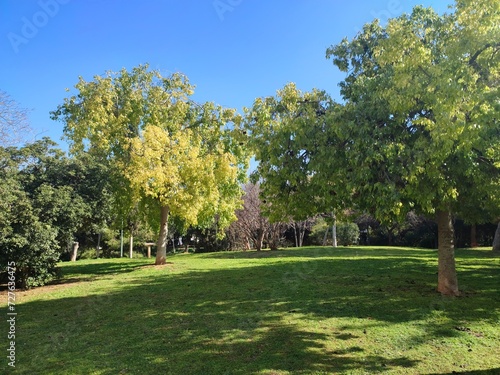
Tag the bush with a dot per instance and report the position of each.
(347, 234)
(28, 244)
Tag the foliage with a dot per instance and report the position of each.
(347, 233)
(420, 120)
(47, 200)
(168, 154)
(319, 230)
(286, 135)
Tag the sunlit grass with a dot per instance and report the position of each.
(352, 310)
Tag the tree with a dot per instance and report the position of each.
(288, 137)
(420, 120)
(72, 193)
(48, 202)
(252, 228)
(24, 239)
(14, 124)
(166, 152)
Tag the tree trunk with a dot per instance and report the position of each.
(334, 231)
(161, 252)
(473, 236)
(325, 237)
(98, 247)
(131, 245)
(295, 234)
(496, 241)
(302, 234)
(74, 251)
(259, 239)
(447, 274)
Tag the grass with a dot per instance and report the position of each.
(356, 310)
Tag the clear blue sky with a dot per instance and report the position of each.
(233, 50)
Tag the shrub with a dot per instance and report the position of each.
(347, 234)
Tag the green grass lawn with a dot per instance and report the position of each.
(355, 310)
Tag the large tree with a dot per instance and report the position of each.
(168, 153)
(47, 200)
(420, 120)
(288, 138)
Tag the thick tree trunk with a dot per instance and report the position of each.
(447, 274)
(74, 251)
(473, 236)
(259, 239)
(161, 248)
(496, 241)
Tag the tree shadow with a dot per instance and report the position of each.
(247, 320)
(323, 252)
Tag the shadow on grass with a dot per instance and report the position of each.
(245, 320)
(326, 251)
(493, 371)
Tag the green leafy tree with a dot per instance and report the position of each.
(47, 201)
(288, 138)
(167, 153)
(421, 118)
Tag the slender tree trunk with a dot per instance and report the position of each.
(325, 237)
(98, 247)
(447, 274)
(295, 234)
(473, 236)
(74, 251)
(161, 252)
(496, 241)
(334, 231)
(131, 245)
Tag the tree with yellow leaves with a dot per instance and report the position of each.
(170, 154)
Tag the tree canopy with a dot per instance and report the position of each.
(167, 152)
(421, 115)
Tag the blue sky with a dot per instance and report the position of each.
(232, 50)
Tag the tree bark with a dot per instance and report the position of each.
(74, 251)
(259, 239)
(334, 231)
(325, 237)
(447, 274)
(496, 241)
(473, 236)
(161, 248)
(131, 245)
(98, 247)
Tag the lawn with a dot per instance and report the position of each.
(355, 310)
